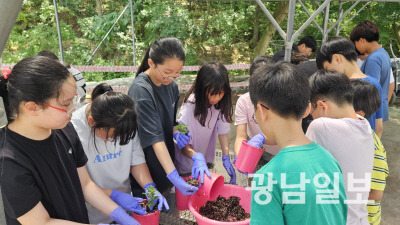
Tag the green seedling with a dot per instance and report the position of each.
(151, 196)
(183, 129)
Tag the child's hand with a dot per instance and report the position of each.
(179, 183)
(128, 202)
(199, 167)
(160, 198)
(229, 168)
(121, 217)
(181, 139)
(257, 141)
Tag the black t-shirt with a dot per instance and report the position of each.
(156, 108)
(45, 171)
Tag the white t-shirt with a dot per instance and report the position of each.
(108, 164)
(351, 142)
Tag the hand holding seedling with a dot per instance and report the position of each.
(128, 202)
(199, 167)
(182, 136)
(154, 196)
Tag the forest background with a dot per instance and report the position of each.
(232, 32)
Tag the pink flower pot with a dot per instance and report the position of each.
(148, 219)
(212, 187)
(199, 199)
(181, 201)
(248, 157)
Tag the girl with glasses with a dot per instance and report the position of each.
(156, 97)
(43, 177)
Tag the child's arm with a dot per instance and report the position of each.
(375, 195)
(379, 127)
(141, 174)
(241, 134)
(224, 141)
(38, 215)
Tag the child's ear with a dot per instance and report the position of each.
(308, 110)
(91, 121)
(337, 58)
(361, 113)
(150, 62)
(31, 108)
(323, 105)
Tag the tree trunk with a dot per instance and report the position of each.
(254, 40)
(280, 14)
(396, 31)
(98, 6)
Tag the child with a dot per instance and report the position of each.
(338, 54)
(207, 110)
(156, 97)
(245, 124)
(79, 79)
(107, 129)
(377, 64)
(280, 95)
(346, 135)
(42, 163)
(365, 101)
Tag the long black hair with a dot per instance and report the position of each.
(100, 89)
(115, 110)
(212, 78)
(35, 79)
(163, 48)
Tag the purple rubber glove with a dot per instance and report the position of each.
(229, 168)
(160, 199)
(128, 202)
(257, 141)
(179, 183)
(121, 217)
(199, 167)
(181, 139)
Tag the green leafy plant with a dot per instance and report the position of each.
(182, 129)
(151, 197)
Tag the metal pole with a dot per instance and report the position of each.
(272, 19)
(345, 14)
(288, 40)
(339, 16)
(309, 15)
(59, 32)
(309, 20)
(133, 35)
(98, 46)
(341, 28)
(326, 19)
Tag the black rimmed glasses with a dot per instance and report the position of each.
(254, 114)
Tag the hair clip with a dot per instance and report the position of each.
(5, 73)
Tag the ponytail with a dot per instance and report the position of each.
(100, 89)
(145, 62)
(4, 94)
(163, 48)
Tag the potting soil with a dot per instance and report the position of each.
(226, 210)
(193, 182)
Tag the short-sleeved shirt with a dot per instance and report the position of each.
(203, 138)
(80, 85)
(313, 161)
(156, 107)
(244, 112)
(378, 65)
(350, 141)
(108, 163)
(378, 114)
(42, 171)
(378, 180)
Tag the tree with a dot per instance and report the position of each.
(280, 13)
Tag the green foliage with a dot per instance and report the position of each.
(209, 30)
(151, 196)
(182, 129)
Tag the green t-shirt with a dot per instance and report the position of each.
(294, 187)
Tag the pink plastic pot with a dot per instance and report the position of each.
(248, 157)
(181, 201)
(148, 219)
(212, 187)
(199, 199)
